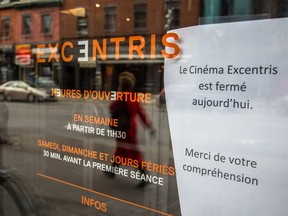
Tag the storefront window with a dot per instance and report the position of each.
(144, 107)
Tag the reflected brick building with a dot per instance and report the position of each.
(56, 21)
(24, 24)
(107, 20)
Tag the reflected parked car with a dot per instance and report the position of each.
(19, 90)
(46, 84)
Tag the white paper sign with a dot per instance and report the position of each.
(227, 100)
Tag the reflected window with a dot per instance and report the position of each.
(140, 16)
(172, 15)
(82, 25)
(110, 19)
(46, 21)
(5, 28)
(26, 25)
